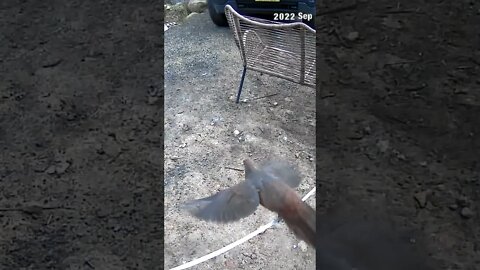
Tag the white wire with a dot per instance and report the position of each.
(309, 194)
(236, 243)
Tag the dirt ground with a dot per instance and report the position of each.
(204, 154)
(397, 114)
(81, 128)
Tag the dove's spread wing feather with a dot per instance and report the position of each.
(281, 170)
(227, 205)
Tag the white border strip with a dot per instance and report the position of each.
(236, 243)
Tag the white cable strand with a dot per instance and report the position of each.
(236, 243)
(309, 194)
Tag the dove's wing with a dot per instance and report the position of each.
(227, 205)
(281, 170)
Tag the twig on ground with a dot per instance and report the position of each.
(271, 95)
(338, 10)
(33, 209)
(340, 38)
(416, 87)
(327, 43)
(404, 11)
(400, 63)
(53, 64)
(87, 263)
(328, 95)
(235, 169)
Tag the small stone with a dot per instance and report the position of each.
(383, 145)
(460, 91)
(392, 23)
(184, 127)
(125, 202)
(152, 100)
(62, 167)
(471, 180)
(367, 130)
(401, 157)
(197, 6)
(453, 207)
(216, 120)
(187, 18)
(236, 132)
(99, 149)
(102, 212)
(467, 213)
(141, 190)
(463, 201)
(111, 148)
(354, 134)
(423, 164)
(352, 36)
(51, 169)
(230, 264)
(303, 246)
(275, 103)
(421, 198)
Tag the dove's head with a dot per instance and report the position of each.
(248, 163)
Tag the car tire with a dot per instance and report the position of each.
(217, 18)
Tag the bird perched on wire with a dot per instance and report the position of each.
(271, 185)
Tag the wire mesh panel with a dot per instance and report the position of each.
(285, 50)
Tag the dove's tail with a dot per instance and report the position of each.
(301, 220)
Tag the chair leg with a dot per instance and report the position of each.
(241, 84)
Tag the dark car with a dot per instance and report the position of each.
(276, 10)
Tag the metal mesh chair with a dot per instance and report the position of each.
(284, 50)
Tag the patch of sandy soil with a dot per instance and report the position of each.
(202, 74)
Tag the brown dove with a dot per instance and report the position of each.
(271, 185)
